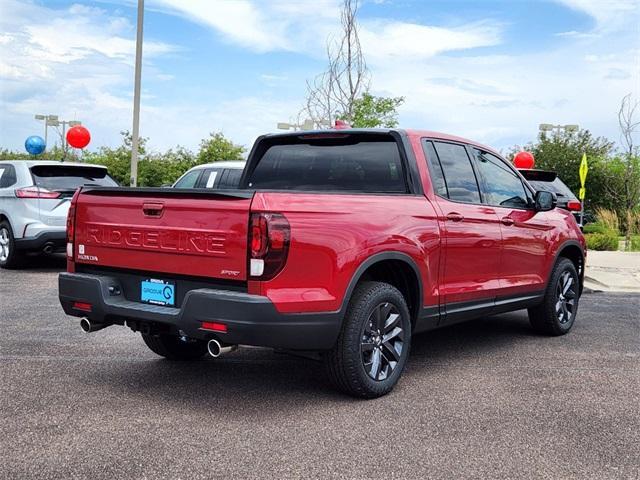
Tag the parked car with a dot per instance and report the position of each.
(217, 175)
(550, 182)
(34, 200)
(338, 245)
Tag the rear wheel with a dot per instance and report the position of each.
(174, 348)
(557, 313)
(10, 257)
(373, 346)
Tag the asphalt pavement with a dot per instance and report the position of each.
(487, 399)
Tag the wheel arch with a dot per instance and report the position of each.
(395, 268)
(573, 251)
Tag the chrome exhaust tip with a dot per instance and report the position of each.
(88, 326)
(48, 249)
(215, 348)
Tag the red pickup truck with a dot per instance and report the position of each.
(339, 244)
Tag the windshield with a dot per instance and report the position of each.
(58, 177)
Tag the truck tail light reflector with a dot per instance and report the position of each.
(574, 205)
(36, 192)
(82, 306)
(215, 326)
(270, 236)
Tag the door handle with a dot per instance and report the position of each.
(508, 221)
(455, 217)
(152, 209)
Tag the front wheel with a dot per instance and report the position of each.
(373, 345)
(557, 313)
(174, 348)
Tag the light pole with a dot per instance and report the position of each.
(48, 121)
(54, 121)
(136, 97)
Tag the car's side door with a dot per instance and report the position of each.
(525, 232)
(470, 231)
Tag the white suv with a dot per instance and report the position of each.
(34, 200)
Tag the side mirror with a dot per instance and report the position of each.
(545, 201)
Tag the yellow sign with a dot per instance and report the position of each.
(584, 169)
(582, 193)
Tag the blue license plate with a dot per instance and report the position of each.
(158, 292)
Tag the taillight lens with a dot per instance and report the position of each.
(71, 224)
(36, 192)
(270, 235)
(574, 205)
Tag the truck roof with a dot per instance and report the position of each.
(409, 132)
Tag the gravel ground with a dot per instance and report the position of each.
(487, 399)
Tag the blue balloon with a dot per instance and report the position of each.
(34, 145)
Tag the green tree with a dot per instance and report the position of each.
(562, 153)
(370, 111)
(117, 160)
(217, 148)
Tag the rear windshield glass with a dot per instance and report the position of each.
(557, 186)
(332, 165)
(54, 177)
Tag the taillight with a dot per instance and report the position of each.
(270, 235)
(574, 205)
(71, 224)
(36, 192)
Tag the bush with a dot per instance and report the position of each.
(596, 227)
(602, 241)
(608, 218)
(635, 243)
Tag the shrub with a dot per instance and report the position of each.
(635, 243)
(596, 227)
(602, 241)
(608, 218)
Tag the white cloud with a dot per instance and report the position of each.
(383, 40)
(609, 15)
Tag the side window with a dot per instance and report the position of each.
(231, 179)
(189, 180)
(502, 186)
(7, 175)
(209, 177)
(435, 169)
(458, 173)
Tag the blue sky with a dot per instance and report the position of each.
(488, 70)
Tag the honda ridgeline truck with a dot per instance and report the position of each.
(339, 244)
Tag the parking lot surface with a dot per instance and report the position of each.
(487, 399)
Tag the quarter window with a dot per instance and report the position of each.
(7, 175)
(459, 176)
(502, 186)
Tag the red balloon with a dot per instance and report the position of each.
(524, 160)
(78, 137)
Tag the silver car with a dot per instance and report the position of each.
(216, 175)
(34, 200)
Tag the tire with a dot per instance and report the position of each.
(361, 351)
(172, 348)
(10, 257)
(557, 312)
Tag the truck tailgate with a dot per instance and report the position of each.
(181, 232)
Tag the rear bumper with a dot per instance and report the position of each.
(57, 240)
(250, 319)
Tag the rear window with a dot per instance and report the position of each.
(332, 164)
(557, 186)
(54, 177)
